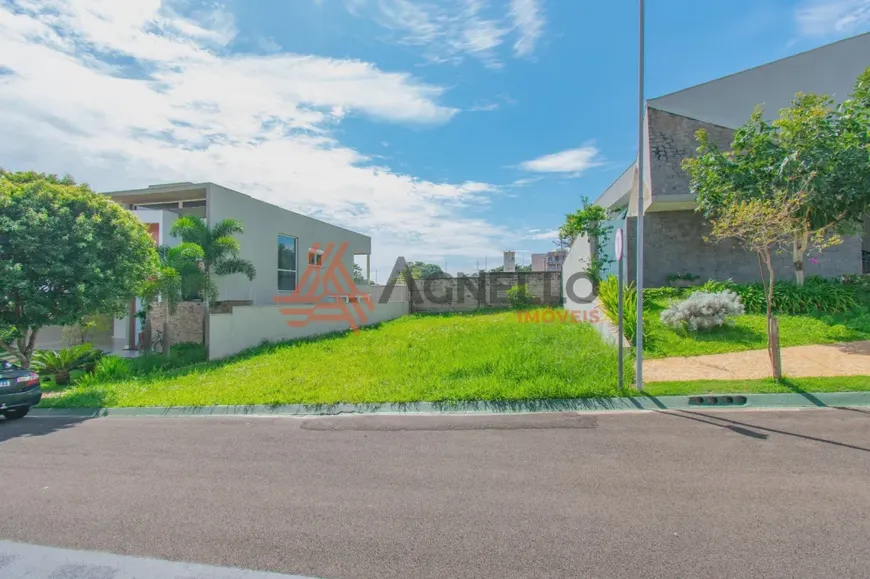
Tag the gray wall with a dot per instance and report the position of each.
(673, 240)
(672, 139)
(259, 243)
(673, 243)
(487, 291)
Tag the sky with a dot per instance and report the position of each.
(447, 130)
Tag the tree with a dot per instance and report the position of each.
(177, 265)
(358, 277)
(589, 222)
(220, 254)
(65, 253)
(518, 268)
(762, 225)
(423, 270)
(815, 152)
(220, 251)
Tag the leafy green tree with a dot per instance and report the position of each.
(358, 277)
(423, 270)
(518, 268)
(815, 152)
(220, 251)
(65, 253)
(589, 222)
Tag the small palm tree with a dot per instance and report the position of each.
(178, 265)
(220, 253)
(62, 362)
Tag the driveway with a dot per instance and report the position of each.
(676, 494)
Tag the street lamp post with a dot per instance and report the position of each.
(641, 106)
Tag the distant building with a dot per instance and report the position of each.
(550, 261)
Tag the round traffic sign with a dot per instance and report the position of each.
(617, 243)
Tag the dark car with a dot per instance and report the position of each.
(19, 390)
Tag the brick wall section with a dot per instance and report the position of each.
(486, 291)
(184, 326)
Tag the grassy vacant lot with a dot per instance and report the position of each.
(749, 332)
(483, 356)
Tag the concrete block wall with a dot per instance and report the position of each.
(486, 291)
(673, 243)
(672, 139)
(184, 326)
(673, 240)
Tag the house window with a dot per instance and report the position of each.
(315, 257)
(286, 263)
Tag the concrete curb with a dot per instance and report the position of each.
(633, 403)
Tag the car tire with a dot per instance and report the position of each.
(16, 413)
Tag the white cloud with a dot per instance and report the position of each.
(483, 106)
(451, 30)
(268, 44)
(524, 182)
(528, 18)
(573, 161)
(831, 17)
(543, 236)
(189, 111)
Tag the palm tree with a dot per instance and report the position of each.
(220, 251)
(178, 265)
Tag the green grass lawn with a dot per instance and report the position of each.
(764, 386)
(749, 332)
(458, 357)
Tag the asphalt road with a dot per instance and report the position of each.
(677, 494)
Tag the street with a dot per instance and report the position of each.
(663, 494)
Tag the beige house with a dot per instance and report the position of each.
(280, 243)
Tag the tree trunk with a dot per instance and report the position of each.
(773, 348)
(23, 348)
(165, 343)
(801, 241)
(772, 326)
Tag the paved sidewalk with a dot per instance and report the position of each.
(36, 562)
(847, 359)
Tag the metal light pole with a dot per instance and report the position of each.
(641, 106)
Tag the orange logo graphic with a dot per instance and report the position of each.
(330, 291)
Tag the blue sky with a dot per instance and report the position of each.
(448, 130)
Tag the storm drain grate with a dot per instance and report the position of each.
(717, 400)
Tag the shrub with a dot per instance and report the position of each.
(656, 293)
(62, 362)
(520, 297)
(817, 295)
(608, 295)
(111, 369)
(180, 355)
(703, 310)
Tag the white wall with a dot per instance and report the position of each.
(249, 326)
(259, 243)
